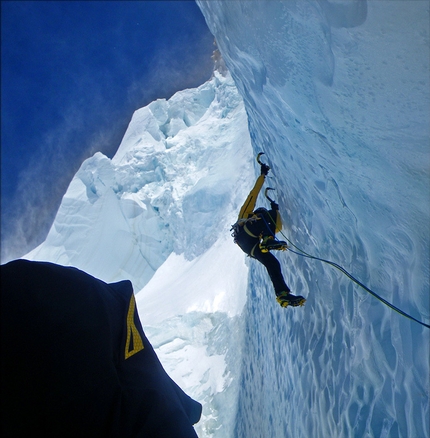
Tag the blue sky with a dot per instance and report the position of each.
(72, 74)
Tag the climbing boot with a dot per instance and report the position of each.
(269, 243)
(286, 299)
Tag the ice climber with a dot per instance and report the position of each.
(255, 231)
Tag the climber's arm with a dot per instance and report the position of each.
(278, 222)
(249, 205)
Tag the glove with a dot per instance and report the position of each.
(264, 169)
(274, 205)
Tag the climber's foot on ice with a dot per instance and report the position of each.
(286, 299)
(270, 245)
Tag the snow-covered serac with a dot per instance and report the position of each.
(172, 186)
(164, 204)
(337, 94)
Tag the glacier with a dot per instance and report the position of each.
(159, 214)
(337, 95)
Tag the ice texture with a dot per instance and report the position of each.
(337, 94)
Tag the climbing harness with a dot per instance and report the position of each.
(241, 224)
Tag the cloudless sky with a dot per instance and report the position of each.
(72, 74)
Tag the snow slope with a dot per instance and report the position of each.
(337, 94)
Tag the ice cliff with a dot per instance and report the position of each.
(337, 94)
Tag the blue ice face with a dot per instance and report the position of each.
(337, 95)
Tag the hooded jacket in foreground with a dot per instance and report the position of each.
(76, 362)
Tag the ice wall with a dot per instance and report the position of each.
(337, 94)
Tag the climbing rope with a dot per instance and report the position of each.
(302, 253)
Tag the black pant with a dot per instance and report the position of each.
(249, 245)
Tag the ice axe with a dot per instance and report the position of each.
(267, 196)
(264, 167)
(258, 158)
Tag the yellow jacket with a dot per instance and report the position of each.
(248, 207)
